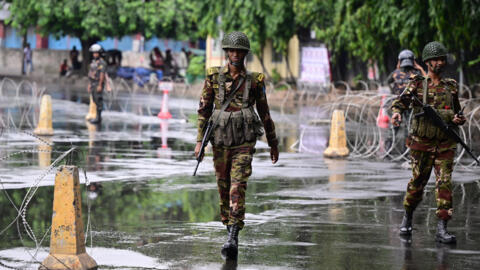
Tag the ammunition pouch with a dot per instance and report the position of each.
(423, 127)
(236, 128)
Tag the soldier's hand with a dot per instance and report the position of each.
(396, 119)
(417, 66)
(459, 119)
(274, 154)
(197, 151)
(99, 88)
(88, 89)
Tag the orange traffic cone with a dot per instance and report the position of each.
(164, 113)
(382, 119)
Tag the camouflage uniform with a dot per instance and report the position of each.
(429, 146)
(233, 163)
(400, 78)
(97, 67)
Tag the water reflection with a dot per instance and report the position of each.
(230, 265)
(412, 257)
(164, 151)
(337, 169)
(44, 152)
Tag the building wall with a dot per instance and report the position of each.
(281, 66)
(48, 61)
(216, 57)
(14, 40)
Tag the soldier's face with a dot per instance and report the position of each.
(436, 65)
(96, 55)
(236, 55)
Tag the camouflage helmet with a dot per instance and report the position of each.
(433, 49)
(406, 58)
(236, 40)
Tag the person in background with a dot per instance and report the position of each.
(64, 68)
(74, 59)
(27, 59)
(170, 65)
(97, 80)
(182, 62)
(156, 59)
(407, 68)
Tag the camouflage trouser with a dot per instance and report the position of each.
(422, 163)
(233, 166)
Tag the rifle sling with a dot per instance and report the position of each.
(425, 90)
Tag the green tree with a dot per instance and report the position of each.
(260, 20)
(92, 21)
(380, 29)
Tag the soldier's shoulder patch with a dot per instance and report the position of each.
(213, 70)
(259, 77)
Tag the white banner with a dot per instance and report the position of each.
(315, 66)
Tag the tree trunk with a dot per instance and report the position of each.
(86, 57)
(260, 58)
(292, 78)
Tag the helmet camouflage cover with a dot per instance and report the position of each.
(433, 49)
(236, 40)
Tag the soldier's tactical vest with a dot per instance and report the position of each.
(236, 128)
(443, 105)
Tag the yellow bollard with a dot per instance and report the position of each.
(67, 242)
(92, 111)
(45, 121)
(337, 146)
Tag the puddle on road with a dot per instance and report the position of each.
(304, 212)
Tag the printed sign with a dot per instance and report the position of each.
(165, 86)
(315, 65)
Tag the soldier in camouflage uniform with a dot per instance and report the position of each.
(96, 76)
(429, 146)
(237, 130)
(407, 68)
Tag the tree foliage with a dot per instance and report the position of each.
(363, 29)
(92, 21)
(371, 29)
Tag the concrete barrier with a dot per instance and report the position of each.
(67, 242)
(44, 126)
(337, 146)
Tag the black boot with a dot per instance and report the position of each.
(230, 248)
(442, 235)
(406, 226)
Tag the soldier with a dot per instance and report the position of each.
(96, 76)
(429, 145)
(406, 69)
(235, 135)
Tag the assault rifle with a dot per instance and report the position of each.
(431, 114)
(205, 139)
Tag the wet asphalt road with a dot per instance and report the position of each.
(146, 211)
